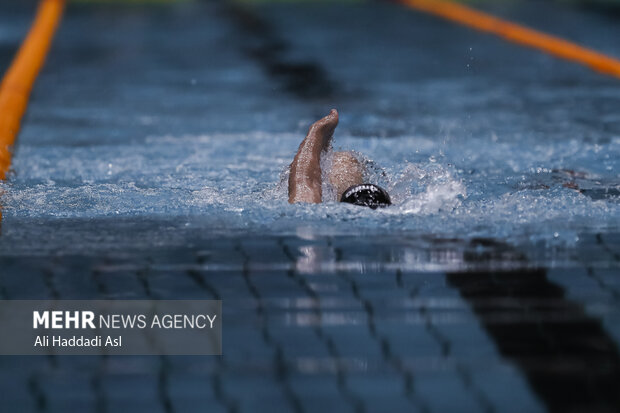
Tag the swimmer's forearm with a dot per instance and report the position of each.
(305, 175)
(304, 183)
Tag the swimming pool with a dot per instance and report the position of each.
(150, 164)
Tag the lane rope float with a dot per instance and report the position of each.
(20, 77)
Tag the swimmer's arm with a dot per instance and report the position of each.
(304, 182)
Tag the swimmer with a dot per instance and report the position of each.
(345, 176)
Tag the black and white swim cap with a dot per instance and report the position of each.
(369, 195)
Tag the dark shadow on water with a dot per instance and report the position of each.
(607, 8)
(569, 360)
(262, 43)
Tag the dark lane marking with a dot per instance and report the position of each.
(607, 8)
(567, 357)
(304, 79)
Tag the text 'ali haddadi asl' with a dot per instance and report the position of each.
(78, 341)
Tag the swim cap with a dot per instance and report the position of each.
(369, 195)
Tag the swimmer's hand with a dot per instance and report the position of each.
(304, 183)
(323, 129)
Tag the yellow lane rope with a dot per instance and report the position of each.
(518, 34)
(19, 78)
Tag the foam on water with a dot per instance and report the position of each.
(480, 186)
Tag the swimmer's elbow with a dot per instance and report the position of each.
(303, 190)
(304, 198)
(303, 194)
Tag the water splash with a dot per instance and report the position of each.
(427, 189)
(489, 187)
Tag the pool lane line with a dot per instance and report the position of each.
(517, 33)
(552, 339)
(566, 355)
(20, 77)
(301, 77)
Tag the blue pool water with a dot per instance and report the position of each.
(136, 122)
(482, 186)
(470, 145)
